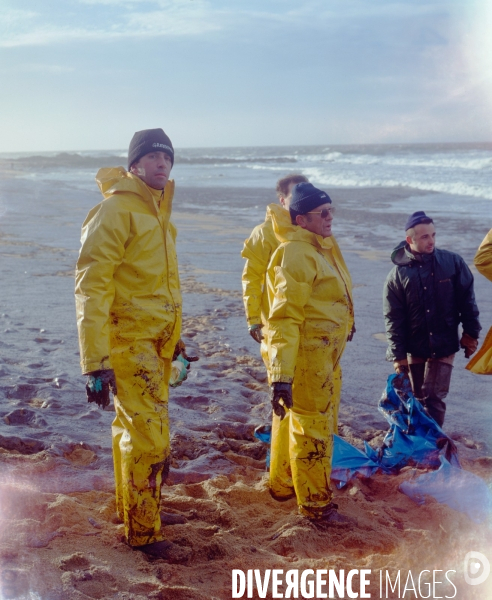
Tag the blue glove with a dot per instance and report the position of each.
(179, 371)
(255, 332)
(98, 385)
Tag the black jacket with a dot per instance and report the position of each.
(426, 297)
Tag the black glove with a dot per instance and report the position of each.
(98, 385)
(181, 349)
(281, 391)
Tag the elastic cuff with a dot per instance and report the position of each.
(88, 367)
(313, 512)
(137, 541)
(277, 378)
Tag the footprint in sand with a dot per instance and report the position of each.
(21, 445)
(13, 583)
(94, 582)
(22, 391)
(74, 562)
(24, 416)
(80, 456)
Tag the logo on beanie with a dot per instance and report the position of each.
(158, 145)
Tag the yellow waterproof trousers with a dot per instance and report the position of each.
(140, 437)
(264, 351)
(302, 443)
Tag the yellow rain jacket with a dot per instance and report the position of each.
(311, 315)
(257, 251)
(483, 257)
(129, 319)
(481, 363)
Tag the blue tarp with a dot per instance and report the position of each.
(264, 434)
(453, 486)
(348, 461)
(414, 439)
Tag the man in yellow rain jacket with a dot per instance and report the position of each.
(129, 320)
(481, 363)
(257, 251)
(310, 319)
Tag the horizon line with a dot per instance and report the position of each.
(331, 145)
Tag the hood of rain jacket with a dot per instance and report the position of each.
(257, 251)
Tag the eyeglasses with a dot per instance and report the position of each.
(324, 213)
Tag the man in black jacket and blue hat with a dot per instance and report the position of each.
(427, 295)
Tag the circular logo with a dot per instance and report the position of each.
(474, 563)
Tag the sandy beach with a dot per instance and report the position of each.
(59, 535)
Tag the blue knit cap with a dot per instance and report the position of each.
(305, 198)
(417, 218)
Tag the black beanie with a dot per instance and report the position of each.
(305, 198)
(416, 218)
(146, 141)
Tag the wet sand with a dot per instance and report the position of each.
(59, 536)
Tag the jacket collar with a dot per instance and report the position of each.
(403, 256)
(117, 180)
(285, 231)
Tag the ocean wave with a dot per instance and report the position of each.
(265, 168)
(325, 157)
(78, 160)
(432, 162)
(447, 187)
(67, 160)
(204, 160)
(458, 162)
(474, 159)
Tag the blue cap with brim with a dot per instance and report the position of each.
(305, 198)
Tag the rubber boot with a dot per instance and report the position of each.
(329, 515)
(166, 550)
(436, 388)
(417, 372)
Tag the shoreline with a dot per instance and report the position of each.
(217, 477)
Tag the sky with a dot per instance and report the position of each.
(87, 74)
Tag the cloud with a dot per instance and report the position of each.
(11, 17)
(476, 44)
(167, 18)
(37, 68)
(118, 19)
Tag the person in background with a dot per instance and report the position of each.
(483, 257)
(427, 294)
(481, 363)
(128, 304)
(257, 251)
(310, 317)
